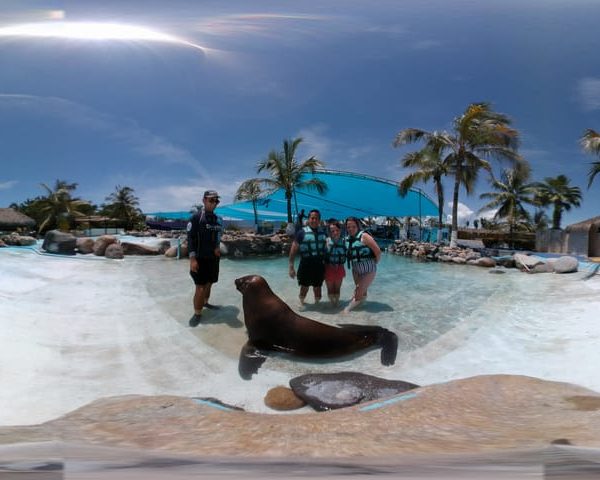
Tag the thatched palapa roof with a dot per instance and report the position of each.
(11, 218)
(584, 226)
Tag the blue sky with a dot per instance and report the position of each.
(228, 81)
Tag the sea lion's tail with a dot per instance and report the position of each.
(387, 340)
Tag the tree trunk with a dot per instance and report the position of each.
(511, 234)
(454, 234)
(440, 213)
(556, 217)
(288, 197)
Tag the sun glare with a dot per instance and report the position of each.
(92, 31)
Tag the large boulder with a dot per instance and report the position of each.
(163, 246)
(138, 249)
(526, 262)
(487, 262)
(102, 243)
(566, 264)
(506, 261)
(328, 391)
(114, 250)
(17, 240)
(541, 268)
(59, 242)
(171, 252)
(85, 245)
(240, 244)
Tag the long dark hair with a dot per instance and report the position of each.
(352, 219)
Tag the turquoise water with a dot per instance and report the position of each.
(451, 320)
(419, 300)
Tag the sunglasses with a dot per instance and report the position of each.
(213, 200)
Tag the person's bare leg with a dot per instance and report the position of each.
(199, 301)
(317, 293)
(302, 296)
(360, 292)
(199, 298)
(207, 296)
(331, 292)
(337, 287)
(364, 283)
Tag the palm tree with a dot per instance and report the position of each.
(286, 172)
(58, 207)
(558, 193)
(123, 206)
(512, 192)
(479, 133)
(591, 144)
(540, 220)
(250, 190)
(429, 166)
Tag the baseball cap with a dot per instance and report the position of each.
(211, 194)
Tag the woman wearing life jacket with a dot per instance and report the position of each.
(335, 258)
(310, 244)
(363, 255)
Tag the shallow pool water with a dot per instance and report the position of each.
(73, 329)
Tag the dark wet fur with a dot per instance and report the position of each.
(388, 341)
(273, 326)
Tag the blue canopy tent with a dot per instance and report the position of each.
(348, 194)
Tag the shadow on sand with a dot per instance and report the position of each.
(227, 314)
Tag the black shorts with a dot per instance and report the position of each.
(208, 271)
(311, 272)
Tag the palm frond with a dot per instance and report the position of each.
(594, 170)
(590, 141)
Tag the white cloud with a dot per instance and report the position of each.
(178, 197)
(315, 142)
(8, 185)
(588, 93)
(466, 214)
(125, 130)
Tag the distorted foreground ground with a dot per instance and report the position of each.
(479, 414)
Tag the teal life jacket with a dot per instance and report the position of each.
(336, 252)
(313, 244)
(356, 250)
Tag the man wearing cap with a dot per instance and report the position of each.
(204, 236)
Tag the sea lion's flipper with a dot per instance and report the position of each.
(388, 341)
(389, 347)
(250, 361)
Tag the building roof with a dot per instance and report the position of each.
(348, 194)
(583, 225)
(11, 218)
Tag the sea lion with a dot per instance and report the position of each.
(273, 325)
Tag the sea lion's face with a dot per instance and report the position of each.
(243, 283)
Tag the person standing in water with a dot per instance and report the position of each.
(363, 255)
(204, 236)
(335, 258)
(310, 242)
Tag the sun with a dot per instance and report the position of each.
(92, 31)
